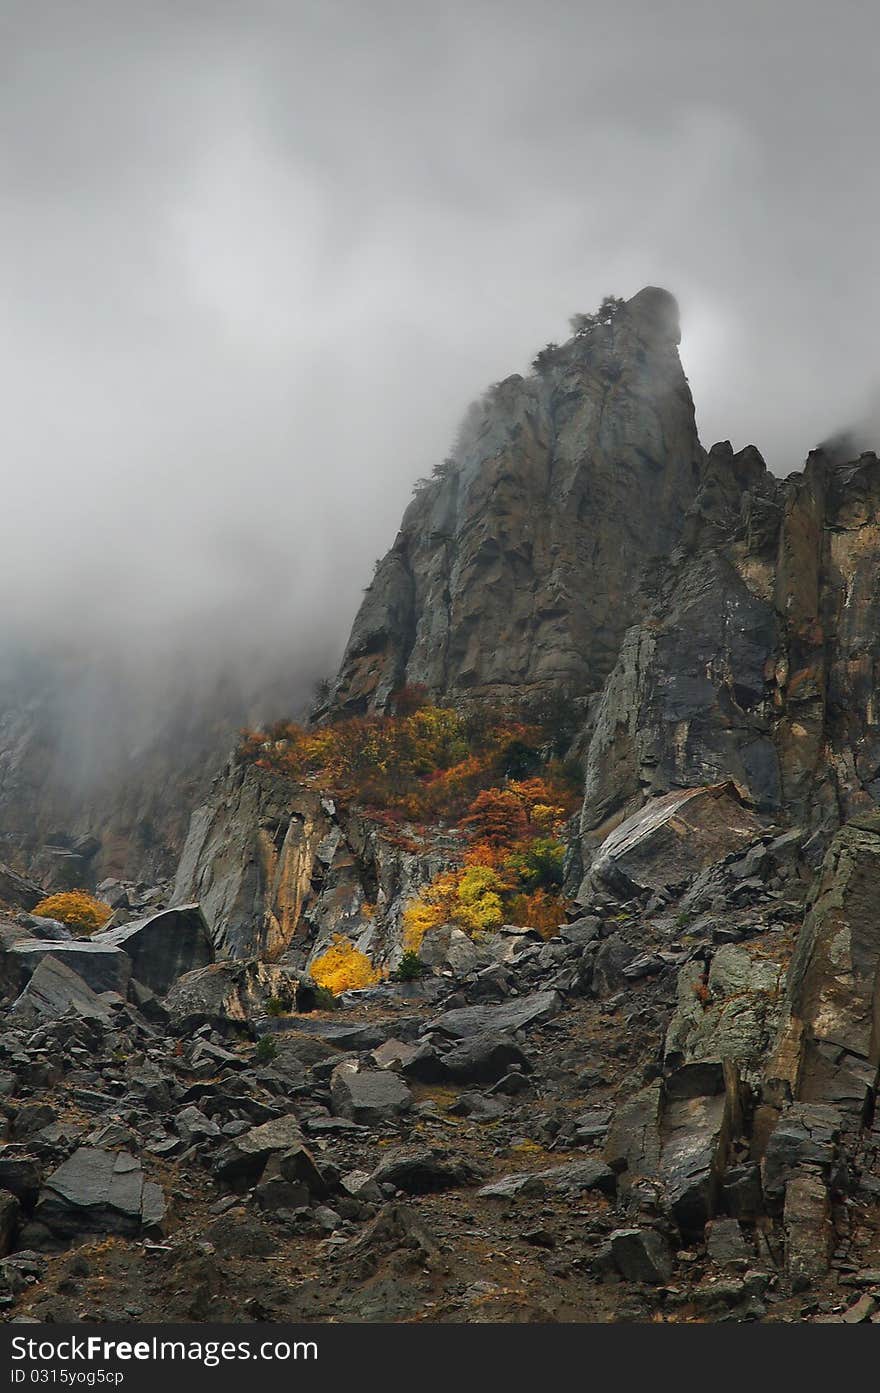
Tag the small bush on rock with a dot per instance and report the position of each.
(75, 908)
(411, 968)
(266, 1050)
(344, 968)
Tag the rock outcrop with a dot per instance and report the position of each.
(516, 570)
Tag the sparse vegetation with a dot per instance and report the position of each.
(77, 909)
(276, 1007)
(582, 324)
(266, 1050)
(410, 968)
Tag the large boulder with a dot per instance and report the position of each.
(227, 995)
(97, 1191)
(529, 1010)
(53, 990)
(368, 1096)
(102, 966)
(673, 837)
(163, 946)
(242, 1161)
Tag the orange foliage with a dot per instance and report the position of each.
(424, 764)
(497, 817)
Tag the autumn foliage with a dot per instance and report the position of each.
(344, 968)
(423, 764)
(496, 774)
(75, 908)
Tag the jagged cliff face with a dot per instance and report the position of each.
(517, 571)
(759, 658)
(716, 622)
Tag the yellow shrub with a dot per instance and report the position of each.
(344, 968)
(479, 899)
(75, 908)
(470, 897)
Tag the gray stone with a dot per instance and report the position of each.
(368, 1096)
(10, 1212)
(573, 1178)
(163, 946)
(226, 995)
(808, 1230)
(672, 837)
(422, 1171)
(484, 1059)
(726, 1246)
(510, 1016)
(242, 1160)
(97, 1191)
(102, 966)
(53, 990)
(641, 1255)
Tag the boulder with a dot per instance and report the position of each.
(422, 1171)
(483, 1059)
(510, 1016)
(102, 966)
(53, 990)
(573, 1178)
(97, 1191)
(241, 1161)
(368, 1096)
(451, 948)
(227, 995)
(672, 837)
(164, 946)
(641, 1255)
(21, 1175)
(10, 1212)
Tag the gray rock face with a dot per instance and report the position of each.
(249, 858)
(830, 1045)
(163, 946)
(275, 867)
(738, 1018)
(97, 1191)
(517, 569)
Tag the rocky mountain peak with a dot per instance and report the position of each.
(515, 567)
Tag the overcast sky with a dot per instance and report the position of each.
(257, 257)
